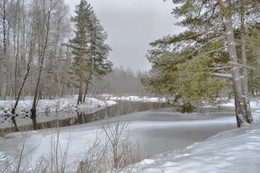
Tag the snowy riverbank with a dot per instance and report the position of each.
(233, 151)
(61, 108)
(186, 141)
(48, 107)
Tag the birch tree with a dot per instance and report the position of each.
(45, 26)
(4, 50)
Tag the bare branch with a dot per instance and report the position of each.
(220, 75)
(219, 68)
(222, 6)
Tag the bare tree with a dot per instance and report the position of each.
(43, 17)
(4, 55)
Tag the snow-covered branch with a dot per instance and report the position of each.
(240, 65)
(221, 75)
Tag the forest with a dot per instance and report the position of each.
(45, 53)
(64, 106)
(40, 57)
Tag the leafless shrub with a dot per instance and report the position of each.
(95, 159)
(110, 151)
(113, 151)
(17, 162)
(56, 160)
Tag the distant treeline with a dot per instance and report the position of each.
(120, 81)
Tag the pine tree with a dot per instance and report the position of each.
(89, 48)
(253, 45)
(187, 62)
(98, 51)
(80, 43)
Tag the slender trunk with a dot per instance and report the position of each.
(62, 90)
(18, 97)
(86, 91)
(4, 82)
(80, 100)
(15, 75)
(90, 76)
(41, 56)
(249, 118)
(16, 57)
(14, 122)
(87, 85)
(49, 88)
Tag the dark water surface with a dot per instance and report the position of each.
(123, 107)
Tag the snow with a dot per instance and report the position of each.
(54, 105)
(47, 107)
(229, 33)
(222, 75)
(233, 150)
(254, 104)
(135, 98)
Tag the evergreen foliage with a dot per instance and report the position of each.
(187, 66)
(88, 47)
(254, 58)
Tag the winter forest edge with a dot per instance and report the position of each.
(46, 54)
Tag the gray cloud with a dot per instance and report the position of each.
(131, 25)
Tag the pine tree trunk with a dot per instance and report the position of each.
(240, 106)
(80, 98)
(249, 118)
(86, 91)
(237, 89)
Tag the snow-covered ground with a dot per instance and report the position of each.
(61, 108)
(233, 151)
(181, 138)
(47, 107)
(254, 104)
(134, 98)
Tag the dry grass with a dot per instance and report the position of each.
(111, 151)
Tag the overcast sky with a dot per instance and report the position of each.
(131, 25)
